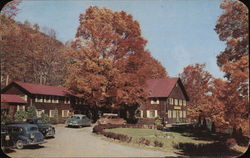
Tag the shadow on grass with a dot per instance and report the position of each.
(217, 149)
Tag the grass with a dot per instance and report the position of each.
(168, 138)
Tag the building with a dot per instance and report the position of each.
(10, 103)
(167, 99)
(47, 99)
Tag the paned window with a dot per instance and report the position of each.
(184, 103)
(155, 101)
(151, 113)
(184, 114)
(175, 101)
(174, 113)
(65, 113)
(169, 114)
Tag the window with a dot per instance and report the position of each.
(180, 114)
(39, 112)
(20, 108)
(155, 101)
(24, 97)
(184, 114)
(174, 113)
(36, 99)
(139, 113)
(52, 113)
(184, 103)
(66, 101)
(65, 113)
(175, 101)
(180, 102)
(151, 113)
(169, 114)
(171, 101)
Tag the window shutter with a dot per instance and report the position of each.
(156, 113)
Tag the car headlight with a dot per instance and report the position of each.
(7, 137)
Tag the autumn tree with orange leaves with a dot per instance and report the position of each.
(108, 63)
(232, 27)
(197, 82)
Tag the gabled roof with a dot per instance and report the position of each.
(11, 98)
(163, 87)
(43, 89)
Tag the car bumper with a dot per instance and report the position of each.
(35, 143)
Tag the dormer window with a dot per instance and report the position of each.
(155, 101)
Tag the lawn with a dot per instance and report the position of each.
(169, 139)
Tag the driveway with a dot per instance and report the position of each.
(80, 142)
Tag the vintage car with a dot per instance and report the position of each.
(109, 118)
(46, 129)
(78, 120)
(6, 139)
(24, 134)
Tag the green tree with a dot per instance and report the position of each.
(31, 112)
(45, 118)
(20, 116)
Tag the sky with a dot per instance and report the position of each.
(179, 32)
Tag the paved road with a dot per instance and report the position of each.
(79, 142)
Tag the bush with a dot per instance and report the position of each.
(158, 144)
(31, 112)
(20, 116)
(144, 141)
(159, 127)
(45, 118)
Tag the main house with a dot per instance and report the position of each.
(47, 99)
(167, 99)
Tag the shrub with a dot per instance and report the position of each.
(144, 141)
(158, 121)
(45, 118)
(31, 112)
(20, 116)
(159, 127)
(158, 144)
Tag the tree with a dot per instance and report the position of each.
(106, 62)
(20, 116)
(10, 10)
(232, 27)
(197, 82)
(31, 112)
(38, 57)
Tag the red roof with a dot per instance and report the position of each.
(160, 87)
(43, 89)
(11, 98)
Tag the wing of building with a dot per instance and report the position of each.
(47, 99)
(167, 99)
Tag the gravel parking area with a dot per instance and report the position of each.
(80, 142)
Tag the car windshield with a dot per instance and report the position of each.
(39, 121)
(112, 117)
(33, 129)
(75, 117)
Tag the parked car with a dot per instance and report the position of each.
(78, 120)
(6, 139)
(24, 134)
(46, 129)
(109, 118)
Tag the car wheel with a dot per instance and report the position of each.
(19, 144)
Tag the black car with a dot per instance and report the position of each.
(6, 140)
(24, 134)
(46, 129)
